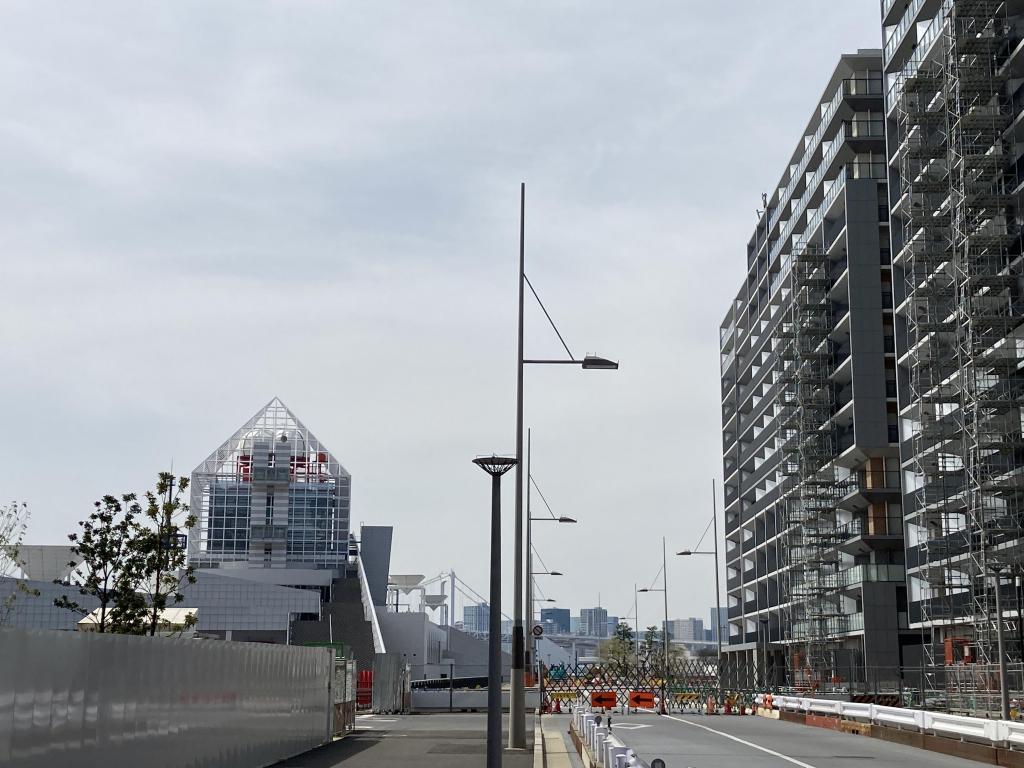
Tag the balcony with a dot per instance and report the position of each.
(812, 629)
(865, 534)
(870, 572)
(867, 486)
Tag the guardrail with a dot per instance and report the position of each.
(999, 733)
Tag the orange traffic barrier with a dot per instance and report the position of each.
(641, 699)
(602, 699)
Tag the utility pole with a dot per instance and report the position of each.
(517, 691)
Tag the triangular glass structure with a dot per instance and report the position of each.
(271, 496)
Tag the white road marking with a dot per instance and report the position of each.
(617, 727)
(792, 760)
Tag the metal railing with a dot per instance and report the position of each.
(369, 612)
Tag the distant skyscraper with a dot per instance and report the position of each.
(613, 624)
(686, 630)
(723, 623)
(476, 618)
(574, 625)
(594, 622)
(559, 617)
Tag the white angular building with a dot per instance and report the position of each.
(271, 497)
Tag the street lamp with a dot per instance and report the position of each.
(517, 708)
(718, 591)
(530, 520)
(664, 629)
(495, 466)
(1004, 693)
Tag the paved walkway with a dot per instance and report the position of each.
(396, 741)
(756, 742)
(558, 749)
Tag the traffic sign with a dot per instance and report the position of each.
(641, 699)
(538, 630)
(603, 699)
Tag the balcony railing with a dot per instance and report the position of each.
(873, 526)
(870, 572)
(901, 29)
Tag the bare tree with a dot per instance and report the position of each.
(13, 524)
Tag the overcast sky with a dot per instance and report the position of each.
(203, 205)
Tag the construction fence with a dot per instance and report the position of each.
(104, 701)
(971, 689)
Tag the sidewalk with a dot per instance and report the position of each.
(398, 741)
(558, 752)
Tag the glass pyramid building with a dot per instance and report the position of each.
(271, 496)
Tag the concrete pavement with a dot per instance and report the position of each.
(402, 741)
(755, 742)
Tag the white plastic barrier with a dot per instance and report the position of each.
(1013, 733)
(856, 711)
(898, 716)
(962, 727)
(998, 732)
(606, 748)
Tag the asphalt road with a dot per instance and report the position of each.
(722, 741)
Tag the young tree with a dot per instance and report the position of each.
(13, 523)
(160, 546)
(619, 647)
(108, 567)
(651, 637)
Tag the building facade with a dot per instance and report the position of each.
(686, 630)
(814, 548)
(559, 618)
(594, 622)
(953, 73)
(476, 619)
(272, 496)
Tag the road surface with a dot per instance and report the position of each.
(724, 741)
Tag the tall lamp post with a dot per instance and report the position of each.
(718, 591)
(1004, 691)
(495, 466)
(530, 520)
(664, 629)
(517, 708)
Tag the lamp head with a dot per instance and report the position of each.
(595, 363)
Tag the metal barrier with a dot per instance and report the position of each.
(92, 700)
(996, 732)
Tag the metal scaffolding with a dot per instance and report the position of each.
(962, 275)
(810, 488)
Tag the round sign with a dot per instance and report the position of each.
(538, 630)
(657, 763)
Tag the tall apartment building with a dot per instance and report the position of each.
(814, 546)
(594, 622)
(559, 617)
(718, 621)
(271, 496)
(476, 619)
(953, 75)
(686, 630)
